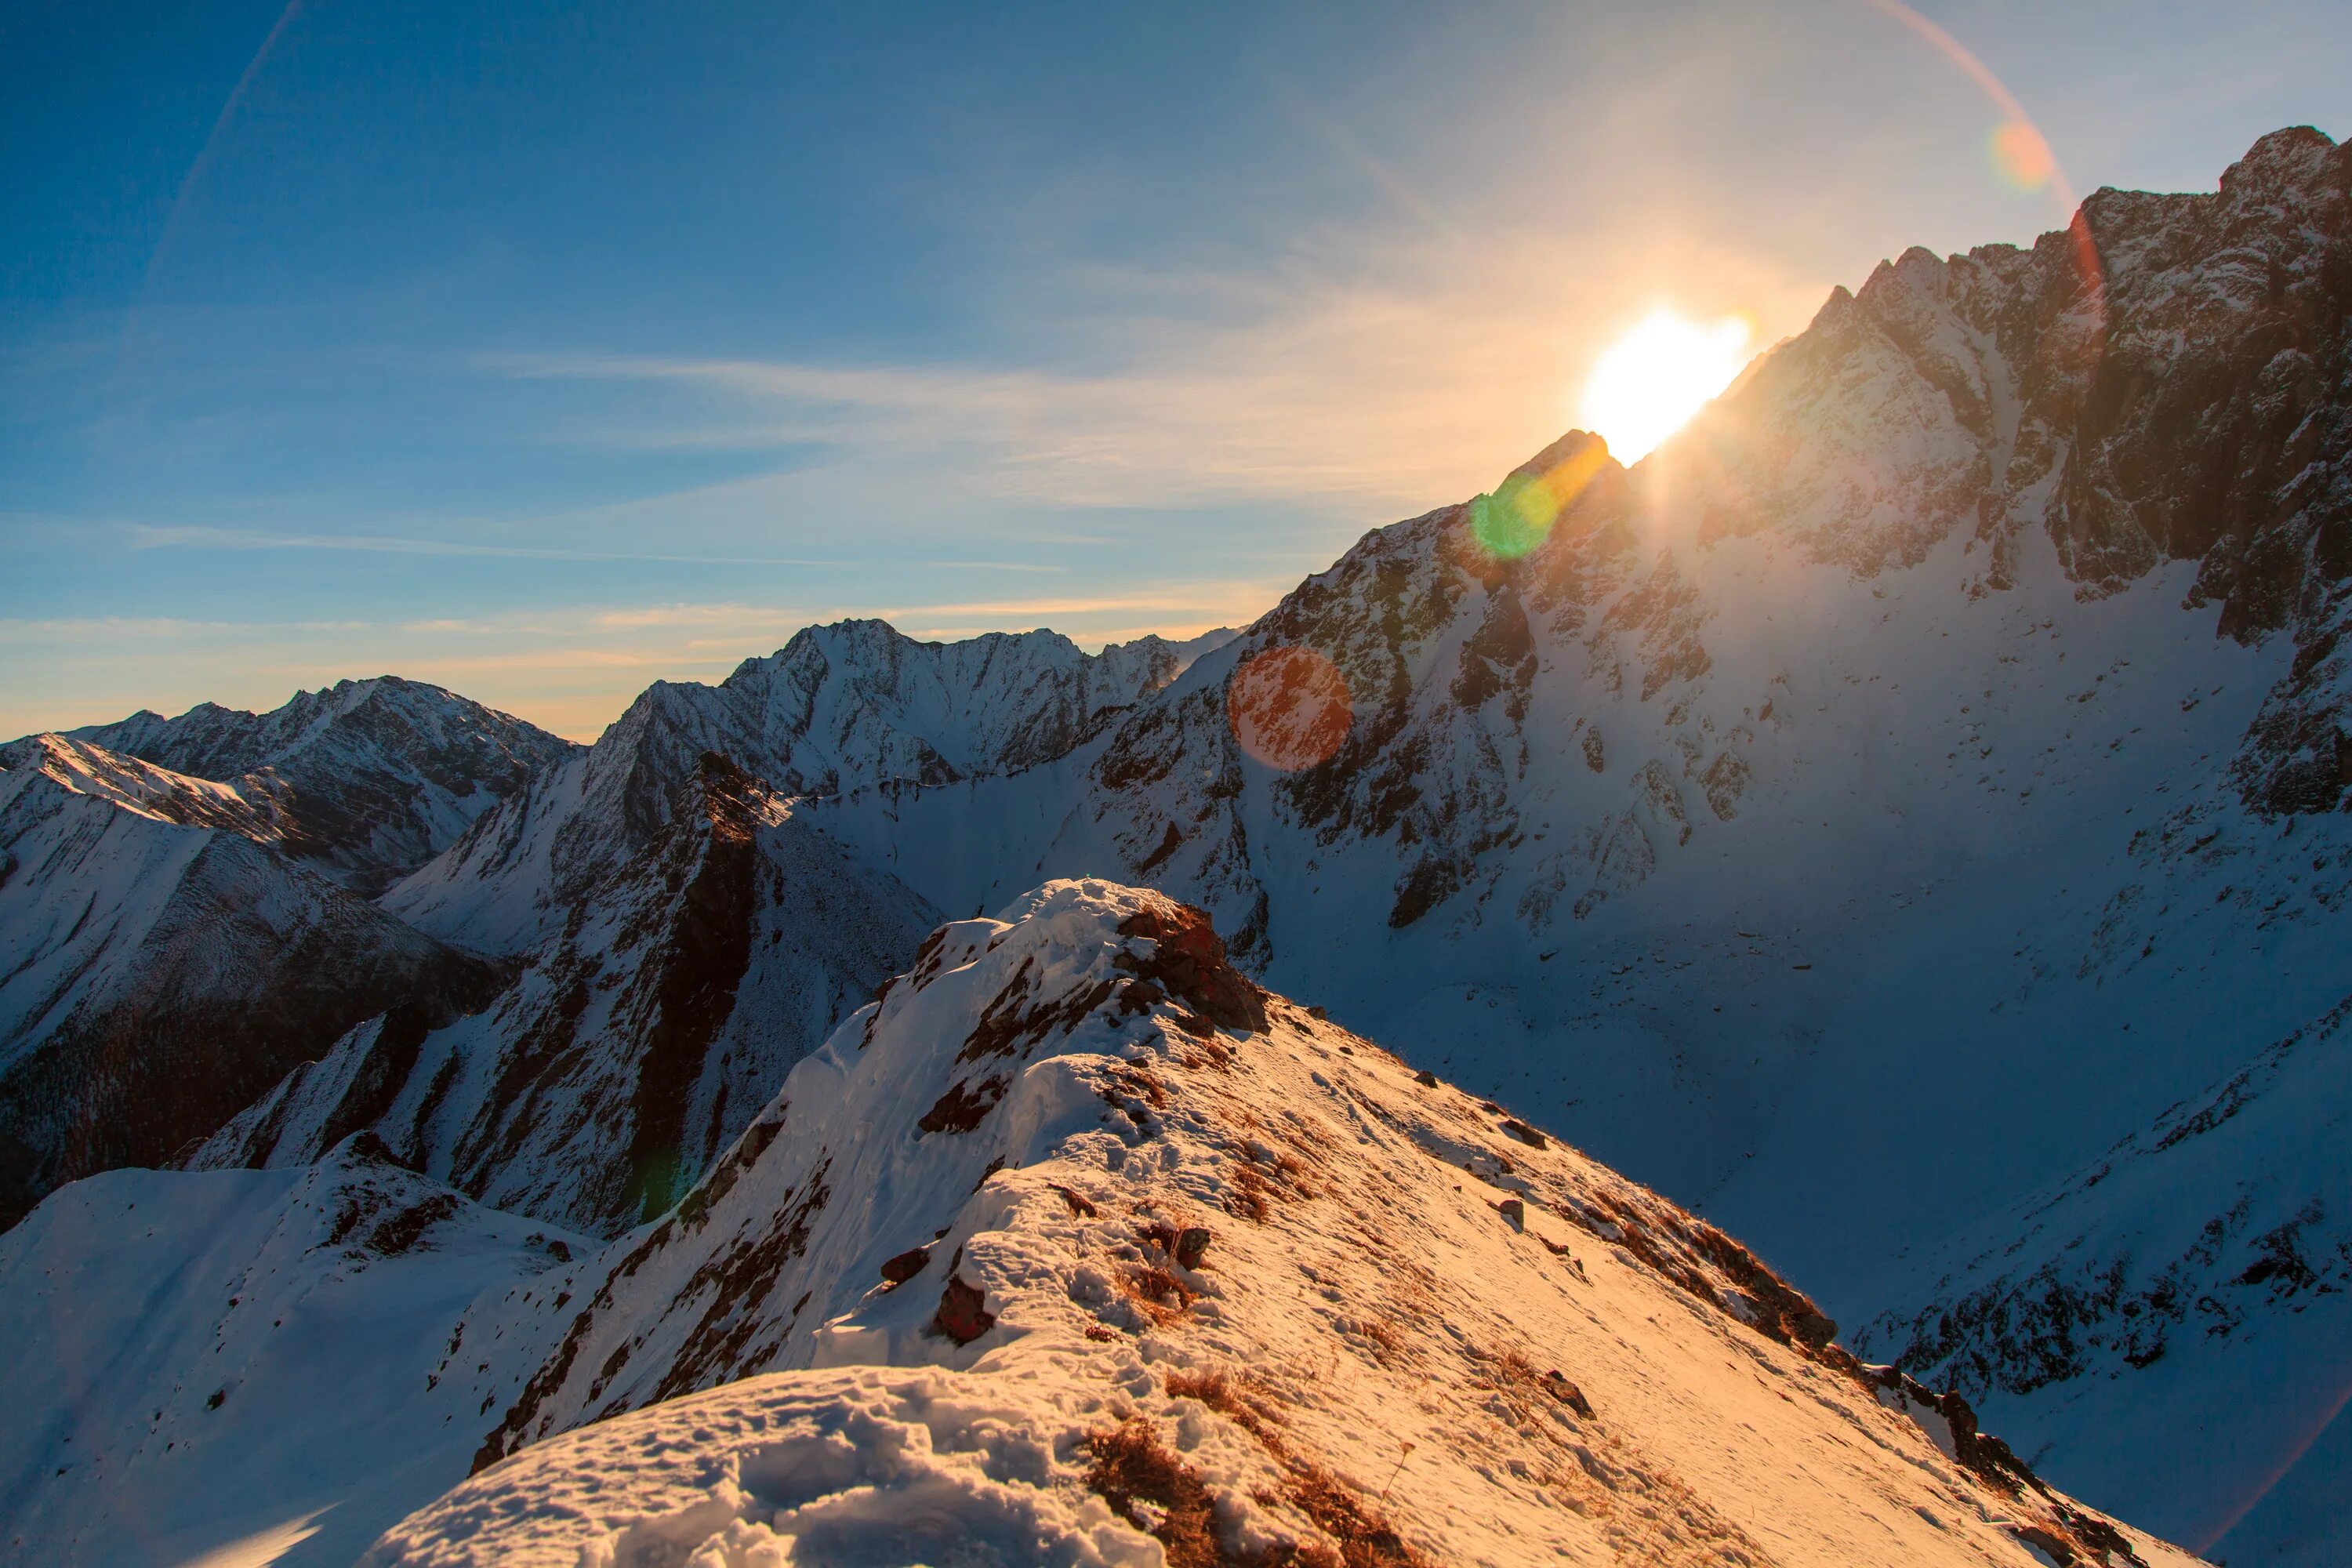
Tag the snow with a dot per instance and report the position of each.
(130, 1301)
(1274, 1385)
(851, 706)
(366, 780)
(1898, 818)
(2178, 1304)
(641, 1035)
(859, 1464)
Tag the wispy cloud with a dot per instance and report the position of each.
(1397, 382)
(148, 536)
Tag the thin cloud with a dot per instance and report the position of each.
(1418, 378)
(147, 536)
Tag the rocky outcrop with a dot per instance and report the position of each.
(162, 976)
(638, 1043)
(839, 706)
(1166, 1264)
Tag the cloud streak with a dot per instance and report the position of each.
(1396, 381)
(145, 536)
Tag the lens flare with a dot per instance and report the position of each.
(1519, 514)
(1289, 708)
(2021, 155)
(1664, 370)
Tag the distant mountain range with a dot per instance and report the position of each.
(1902, 817)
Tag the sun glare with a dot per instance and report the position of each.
(1649, 381)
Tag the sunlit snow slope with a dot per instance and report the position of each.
(1075, 1247)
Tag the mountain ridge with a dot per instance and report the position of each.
(1873, 817)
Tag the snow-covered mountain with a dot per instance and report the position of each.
(240, 1356)
(1915, 776)
(1077, 1247)
(160, 975)
(2183, 1301)
(1880, 819)
(367, 779)
(854, 703)
(638, 1043)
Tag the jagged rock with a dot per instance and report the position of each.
(906, 1266)
(962, 1315)
(363, 781)
(1192, 1246)
(600, 1086)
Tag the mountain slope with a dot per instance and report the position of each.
(159, 976)
(372, 778)
(839, 707)
(1863, 661)
(637, 1044)
(1908, 781)
(199, 1360)
(140, 786)
(2182, 1302)
(1076, 1248)
(1080, 1239)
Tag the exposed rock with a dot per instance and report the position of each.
(963, 1316)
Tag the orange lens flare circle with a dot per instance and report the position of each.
(1289, 708)
(2022, 156)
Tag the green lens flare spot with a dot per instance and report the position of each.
(1515, 518)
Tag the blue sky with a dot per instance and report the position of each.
(544, 351)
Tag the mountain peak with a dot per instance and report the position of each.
(2287, 155)
(1577, 446)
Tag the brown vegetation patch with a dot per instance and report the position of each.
(1160, 1294)
(1131, 1467)
(1354, 1524)
(1259, 1177)
(1703, 1261)
(1245, 1194)
(1388, 1346)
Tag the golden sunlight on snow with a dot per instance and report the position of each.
(1646, 385)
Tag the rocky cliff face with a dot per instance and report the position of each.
(637, 1044)
(839, 706)
(159, 976)
(2171, 382)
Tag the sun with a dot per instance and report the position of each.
(1647, 384)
